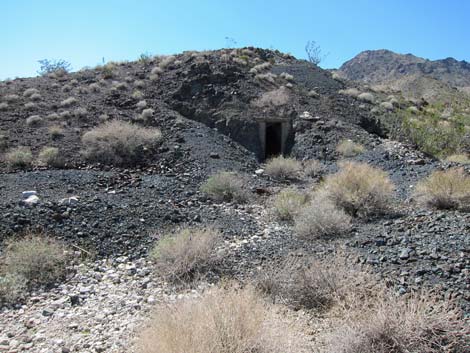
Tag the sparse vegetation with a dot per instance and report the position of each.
(276, 98)
(360, 189)
(226, 186)
(3, 106)
(321, 218)
(283, 168)
(29, 92)
(231, 320)
(460, 158)
(59, 67)
(185, 254)
(80, 113)
(147, 114)
(366, 97)
(68, 102)
(34, 120)
(348, 148)
(30, 106)
(19, 157)
(36, 258)
(313, 168)
(11, 98)
(56, 132)
(448, 189)
(12, 288)
(390, 324)
(51, 156)
(288, 203)
(119, 143)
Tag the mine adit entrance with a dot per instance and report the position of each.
(274, 136)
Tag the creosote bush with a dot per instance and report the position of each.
(38, 259)
(288, 203)
(226, 186)
(448, 189)
(348, 148)
(185, 254)
(222, 320)
(119, 143)
(360, 189)
(283, 168)
(19, 157)
(50, 156)
(321, 218)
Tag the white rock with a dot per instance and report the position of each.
(259, 171)
(31, 200)
(29, 193)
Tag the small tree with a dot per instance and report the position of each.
(314, 53)
(51, 66)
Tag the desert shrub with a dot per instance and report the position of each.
(226, 186)
(34, 120)
(3, 106)
(287, 203)
(387, 105)
(83, 90)
(458, 158)
(286, 76)
(38, 259)
(12, 288)
(312, 93)
(52, 116)
(51, 156)
(267, 77)
(20, 157)
(58, 67)
(139, 84)
(448, 189)
(360, 189)
(183, 255)
(147, 114)
(11, 98)
(66, 88)
(313, 168)
(68, 102)
(56, 131)
(321, 218)
(35, 97)
(348, 148)
(308, 283)
(283, 168)
(137, 94)
(94, 87)
(275, 98)
(3, 142)
(353, 92)
(141, 104)
(65, 114)
(222, 320)
(366, 97)
(119, 86)
(80, 112)
(167, 61)
(418, 323)
(29, 92)
(119, 143)
(30, 106)
(260, 68)
(156, 71)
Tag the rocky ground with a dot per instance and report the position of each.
(111, 216)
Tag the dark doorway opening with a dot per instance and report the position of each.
(273, 146)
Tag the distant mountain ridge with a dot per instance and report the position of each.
(384, 66)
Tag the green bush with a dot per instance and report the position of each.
(20, 157)
(287, 203)
(51, 156)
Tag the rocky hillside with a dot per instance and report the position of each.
(385, 66)
(113, 172)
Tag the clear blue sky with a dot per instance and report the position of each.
(84, 31)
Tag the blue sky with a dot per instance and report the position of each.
(85, 31)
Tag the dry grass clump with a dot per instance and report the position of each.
(187, 253)
(360, 189)
(313, 168)
(11, 98)
(418, 323)
(260, 68)
(29, 92)
(321, 218)
(286, 76)
(56, 132)
(12, 288)
(459, 158)
(137, 94)
(50, 156)
(3, 106)
(3, 142)
(139, 84)
(30, 106)
(315, 284)
(141, 104)
(275, 98)
(348, 148)
(119, 143)
(35, 97)
(448, 189)
(226, 186)
(366, 97)
(38, 259)
(353, 92)
(19, 157)
(387, 105)
(68, 102)
(222, 320)
(288, 203)
(80, 112)
(94, 87)
(147, 114)
(34, 120)
(119, 86)
(166, 61)
(283, 168)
